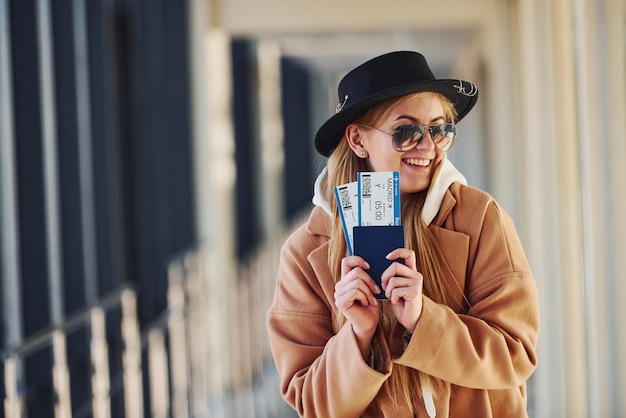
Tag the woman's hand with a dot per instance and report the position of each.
(354, 297)
(403, 287)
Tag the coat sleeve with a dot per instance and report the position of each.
(320, 370)
(493, 345)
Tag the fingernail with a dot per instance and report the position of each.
(378, 289)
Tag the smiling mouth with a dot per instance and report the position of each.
(419, 162)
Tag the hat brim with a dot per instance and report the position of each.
(330, 133)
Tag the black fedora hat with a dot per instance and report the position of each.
(384, 77)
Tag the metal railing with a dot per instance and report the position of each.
(54, 338)
(206, 355)
(228, 353)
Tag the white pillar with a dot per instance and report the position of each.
(271, 138)
(615, 17)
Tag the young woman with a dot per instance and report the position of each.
(457, 333)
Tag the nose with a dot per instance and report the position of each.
(426, 141)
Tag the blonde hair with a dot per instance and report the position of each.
(404, 384)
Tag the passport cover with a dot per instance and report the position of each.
(373, 243)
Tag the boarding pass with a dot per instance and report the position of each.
(347, 200)
(379, 198)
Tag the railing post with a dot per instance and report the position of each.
(199, 344)
(131, 358)
(61, 376)
(101, 401)
(157, 370)
(179, 358)
(13, 402)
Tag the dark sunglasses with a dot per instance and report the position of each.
(406, 137)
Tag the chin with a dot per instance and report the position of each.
(413, 190)
(415, 186)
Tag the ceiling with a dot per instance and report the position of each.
(335, 35)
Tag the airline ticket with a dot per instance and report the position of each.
(379, 198)
(347, 201)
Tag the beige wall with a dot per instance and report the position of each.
(550, 131)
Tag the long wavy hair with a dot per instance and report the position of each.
(404, 384)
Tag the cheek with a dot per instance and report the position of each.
(384, 160)
(439, 157)
(378, 163)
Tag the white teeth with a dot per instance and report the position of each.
(418, 162)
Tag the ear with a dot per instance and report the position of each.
(353, 135)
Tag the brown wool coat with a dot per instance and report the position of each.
(487, 353)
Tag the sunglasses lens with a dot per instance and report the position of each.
(443, 136)
(406, 137)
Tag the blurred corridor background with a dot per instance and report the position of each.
(155, 153)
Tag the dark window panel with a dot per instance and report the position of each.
(296, 110)
(29, 162)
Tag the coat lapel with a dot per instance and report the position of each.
(454, 246)
(319, 225)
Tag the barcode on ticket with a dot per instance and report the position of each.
(347, 197)
(344, 198)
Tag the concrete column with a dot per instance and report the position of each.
(213, 140)
(600, 57)
(614, 15)
(271, 138)
(549, 205)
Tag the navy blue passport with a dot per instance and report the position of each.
(373, 243)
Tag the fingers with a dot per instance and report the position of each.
(399, 281)
(350, 291)
(406, 254)
(355, 284)
(408, 290)
(403, 286)
(351, 262)
(402, 281)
